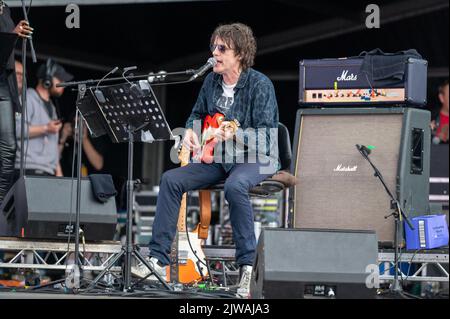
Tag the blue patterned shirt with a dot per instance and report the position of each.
(254, 107)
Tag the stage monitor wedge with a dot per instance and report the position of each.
(297, 263)
(39, 207)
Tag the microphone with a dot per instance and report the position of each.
(97, 92)
(199, 72)
(363, 149)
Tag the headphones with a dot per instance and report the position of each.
(50, 69)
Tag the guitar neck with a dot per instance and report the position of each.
(184, 159)
(181, 225)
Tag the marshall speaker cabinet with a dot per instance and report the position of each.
(336, 186)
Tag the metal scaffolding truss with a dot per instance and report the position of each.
(438, 258)
(37, 254)
(425, 259)
(40, 254)
(222, 264)
(223, 272)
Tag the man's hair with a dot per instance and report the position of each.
(442, 86)
(238, 37)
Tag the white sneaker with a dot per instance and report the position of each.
(244, 285)
(142, 271)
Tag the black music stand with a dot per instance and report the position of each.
(126, 112)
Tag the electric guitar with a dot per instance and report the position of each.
(189, 268)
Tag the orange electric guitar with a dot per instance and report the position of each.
(189, 268)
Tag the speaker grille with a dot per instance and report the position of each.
(349, 197)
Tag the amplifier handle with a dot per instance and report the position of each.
(417, 151)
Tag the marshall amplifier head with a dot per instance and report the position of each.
(345, 81)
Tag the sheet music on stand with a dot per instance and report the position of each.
(110, 109)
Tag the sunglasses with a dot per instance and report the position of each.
(221, 47)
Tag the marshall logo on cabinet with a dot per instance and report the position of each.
(342, 168)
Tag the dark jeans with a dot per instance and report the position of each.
(7, 140)
(194, 176)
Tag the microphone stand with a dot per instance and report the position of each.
(25, 15)
(397, 213)
(24, 92)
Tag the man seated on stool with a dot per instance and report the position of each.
(239, 92)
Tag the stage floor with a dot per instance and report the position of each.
(35, 295)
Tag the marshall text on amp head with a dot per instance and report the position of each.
(345, 81)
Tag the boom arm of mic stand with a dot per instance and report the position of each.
(130, 78)
(380, 177)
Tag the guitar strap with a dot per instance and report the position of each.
(205, 214)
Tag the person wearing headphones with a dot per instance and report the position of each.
(41, 142)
